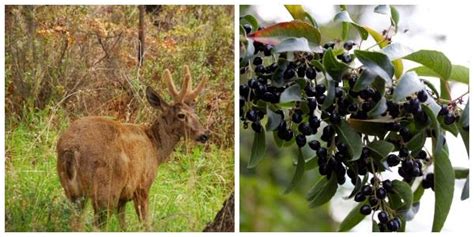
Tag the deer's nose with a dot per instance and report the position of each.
(203, 138)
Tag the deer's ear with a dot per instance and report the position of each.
(155, 99)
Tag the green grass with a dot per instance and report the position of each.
(187, 193)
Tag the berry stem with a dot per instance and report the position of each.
(460, 97)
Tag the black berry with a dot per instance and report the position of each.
(359, 197)
(349, 44)
(381, 193)
(393, 225)
(300, 140)
(314, 145)
(422, 96)
(257, 61)
(365, 210)
(443, 111)
(257, 127)
(247, 28)
(297, 116)
(383, 217)
(393, 160)
(449, 119)
(367, 190)
(310, 73)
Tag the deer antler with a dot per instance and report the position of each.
(194, 93)
(186, 94)
(186, 84)
(169, 83)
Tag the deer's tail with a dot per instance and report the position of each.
(68, 165)
(68, 161)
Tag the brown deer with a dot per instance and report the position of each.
(112, 163)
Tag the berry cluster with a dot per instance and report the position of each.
(376, 192)
(307, 122)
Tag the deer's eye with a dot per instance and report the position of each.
(181, 116)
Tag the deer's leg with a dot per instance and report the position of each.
(140, 200)
(101, 212)
(121, 214)
(77, 217)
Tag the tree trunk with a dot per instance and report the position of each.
(141, 35)
(224, 220)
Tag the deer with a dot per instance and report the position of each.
(112, 163)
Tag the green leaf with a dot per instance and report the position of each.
(396, 51)
(443, 186)
(434, 60)
(395, 201)
(418, 193)
(274, 120)
(382, 9)
(334, 70)
(391, 11)
(375, 226)
(465, 116)
(258, 150)
(438, 138)
(250, 20)
(248, 53)
(296, 11)
(351, 138)
(331, 92)
(452, 128)
(322, 191)
(411, 212)
(311, 19)
(433, 104)
(292, 93)
(375, 127)
(462, 124)
(333, 67)
(353, 218)
(465, 137)
(277, 139)
(277, 78)
(298, 172)
(378, 109)
(458, 73)
(379, 38)
(465, 190)
(395, 16)
(318, 65)
(398, 67)
(417, 142)
(431, 86)
(277, 33)
(356, 189)
(293, 45)
(381, 148)
(344, 16)
(345, 31)
(311, 163)
(461, 173)
(403, 190)
(366, 78)
(403, 225)
(408, 85)
(382, 43)
(378, 63)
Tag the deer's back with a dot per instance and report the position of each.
(110, 159)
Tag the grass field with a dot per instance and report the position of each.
(188, 190)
